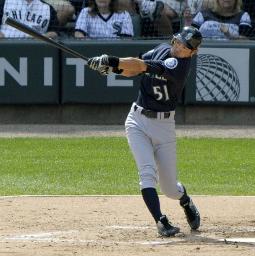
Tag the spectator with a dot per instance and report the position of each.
(156, 18)
(225, 20)
(64, 9)
(185, 10)
(33, 13)
(161, 17)
(103, 19)
(249, 6)
(78, 5)
(132, 8)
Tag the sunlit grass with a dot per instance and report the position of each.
(81, 166)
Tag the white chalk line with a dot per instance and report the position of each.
(47, 236)
(59, 237)
(249, 240)
(55, 237)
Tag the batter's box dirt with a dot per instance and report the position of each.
(121, 225)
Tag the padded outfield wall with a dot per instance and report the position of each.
(40, 84)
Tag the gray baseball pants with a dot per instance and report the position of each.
(153, 144)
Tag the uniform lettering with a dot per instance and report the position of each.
(161, 93)
(30, 17)
(160, 78)
(39, 19)
(14, 15)
(27, 17)
(33, 18)
(44, 23)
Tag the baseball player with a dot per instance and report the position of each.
(102, 19)
(33, 13)
(150, 124)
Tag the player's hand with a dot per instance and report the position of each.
(105, 70)
(105, 64)
(108, 70)
(223, 28)
(99, 63)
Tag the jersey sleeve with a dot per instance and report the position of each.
(81, 23)
(172, 68)
(245, 26)
(147, 55)
(169, 68)
(127, 28)
(53, 24)
(155, 67)
(198, 20)
(1, 11)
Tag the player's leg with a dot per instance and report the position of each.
(143, 153)
(190, 210)
(165, 155)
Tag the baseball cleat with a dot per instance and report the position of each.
(165, 228)
(192, 214)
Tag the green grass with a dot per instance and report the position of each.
(105, 166)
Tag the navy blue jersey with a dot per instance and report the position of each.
(163, 83)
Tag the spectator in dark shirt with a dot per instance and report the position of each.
(64, 10)
(225, 20)
(78, 5)
(159, 18)
(249, 6)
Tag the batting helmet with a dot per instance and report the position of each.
(189, 36)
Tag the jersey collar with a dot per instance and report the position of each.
(103, 18)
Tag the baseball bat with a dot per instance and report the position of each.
(26, 29)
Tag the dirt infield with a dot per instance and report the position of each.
(122, 226)
(31, 130)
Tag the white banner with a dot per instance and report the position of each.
(223, 75)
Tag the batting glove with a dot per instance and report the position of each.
(105, 64)
(103, 60)
(98, 63)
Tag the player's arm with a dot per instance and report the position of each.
(125, 66)
(131, 66)
(138, 66)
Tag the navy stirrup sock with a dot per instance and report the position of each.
(151, 199)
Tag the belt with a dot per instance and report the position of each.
(154, 114)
